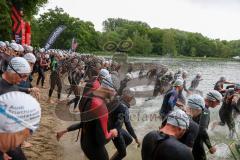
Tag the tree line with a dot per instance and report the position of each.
(146, 41)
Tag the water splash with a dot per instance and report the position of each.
(223, 151)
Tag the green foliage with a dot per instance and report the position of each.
(112, 24)
(146, 40)
(169, 45)
(83, 32)
(170, 42)
(109, 37)
(5, 21)
(29, 7)
(141, 45)
(156, 37)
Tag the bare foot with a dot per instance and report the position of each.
(50, 101)
(76, 110)
(26, 144)
(61, 101)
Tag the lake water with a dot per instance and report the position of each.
(144, 114)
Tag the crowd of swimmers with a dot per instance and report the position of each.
(103, 98)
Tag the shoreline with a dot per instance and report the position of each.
(133, 57)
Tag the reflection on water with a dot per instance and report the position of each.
(211, 72)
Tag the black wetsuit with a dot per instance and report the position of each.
(75, 79)
(169, 102)
(181, 96)
(159, 146)
(119, 116)
(219, 87)
(157, 87)
(194, 84)
(41, 71)
(5, 87)
(190, 135)
(55, 79)
(16, 154)
(90, 86)
(226, 110)
(123, 84)
(94, 133)
(198, 148)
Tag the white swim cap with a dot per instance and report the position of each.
(18, 111)
(178, 118)
(20, 65)
(30, 57)
(195, 101)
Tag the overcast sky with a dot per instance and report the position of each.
(213, 18)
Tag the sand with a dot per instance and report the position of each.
(46, 147)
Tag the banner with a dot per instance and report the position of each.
(21, 30)
(28, 33)
(17, 25)
(52, 38)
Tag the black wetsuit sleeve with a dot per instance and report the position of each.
(129, 125)
(172, 100)
(191, 135)
(119, 114)
(218, 86)
(74, 127)
(21, 89)
(203, 125)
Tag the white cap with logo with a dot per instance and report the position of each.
(20, 65)
(30, 57)
(18, 111)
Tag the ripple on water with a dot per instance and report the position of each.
(211, 72)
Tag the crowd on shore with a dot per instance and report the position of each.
(103, 100)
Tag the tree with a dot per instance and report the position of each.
(5, 21)
(141, 45)
(112, 24)
(29, 7)
(107, 37)
(145, 40)
(83, 32)
(169, 47)
(156, 37)
(181, 41)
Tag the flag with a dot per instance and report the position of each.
(55, 34)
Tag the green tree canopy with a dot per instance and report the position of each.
(83, 32)
(5, 21)
(29, 8)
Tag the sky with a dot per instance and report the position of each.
(216, 19)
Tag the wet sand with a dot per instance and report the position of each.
(46, 147)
